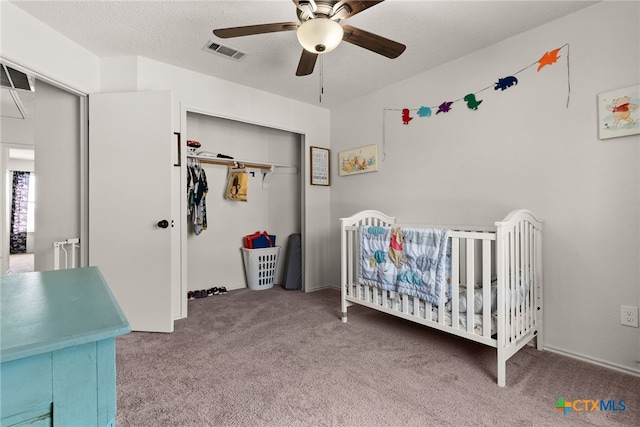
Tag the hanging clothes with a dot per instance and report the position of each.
(197, 188)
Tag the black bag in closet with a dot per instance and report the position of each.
(292, 279)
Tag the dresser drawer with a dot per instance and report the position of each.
(27, 390)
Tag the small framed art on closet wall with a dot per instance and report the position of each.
(319, 166)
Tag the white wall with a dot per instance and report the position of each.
(521, 149)
(20, 164)
(17, 131)
(41, 50)
(214, 256)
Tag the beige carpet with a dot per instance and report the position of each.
(283, 358)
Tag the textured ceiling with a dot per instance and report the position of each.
(175, 32)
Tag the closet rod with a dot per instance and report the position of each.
(231, 162)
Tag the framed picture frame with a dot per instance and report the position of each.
(358, 160)
(319, 158)
(619, 112)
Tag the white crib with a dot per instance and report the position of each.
(501, 263)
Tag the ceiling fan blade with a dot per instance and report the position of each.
(358, 6)
(372, 42)
(249, 30)
(307, 63)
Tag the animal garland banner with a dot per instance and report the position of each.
(473, 101)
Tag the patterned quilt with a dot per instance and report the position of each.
(411, 261)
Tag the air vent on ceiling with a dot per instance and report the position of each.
(14, 79)
(227, 51)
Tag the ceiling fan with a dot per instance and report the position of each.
(319, 30)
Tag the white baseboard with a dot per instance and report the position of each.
(318, 288)
(621, 368)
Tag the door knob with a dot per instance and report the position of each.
(163, 224)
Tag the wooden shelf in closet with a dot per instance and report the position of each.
(267, 169)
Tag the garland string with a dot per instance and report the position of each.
(493, 85)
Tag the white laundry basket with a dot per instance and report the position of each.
(260, 266)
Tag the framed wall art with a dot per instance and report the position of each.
(319, 166)
(358, 160)
(619, 112)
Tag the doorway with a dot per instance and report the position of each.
(50, 134)
(22, 210)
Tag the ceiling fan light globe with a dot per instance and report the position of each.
(320, 35)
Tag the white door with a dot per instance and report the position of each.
(130, 143)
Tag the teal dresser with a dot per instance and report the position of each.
(57, 342)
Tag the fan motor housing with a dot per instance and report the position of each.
(323, 9)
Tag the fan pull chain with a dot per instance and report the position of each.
(321, 89)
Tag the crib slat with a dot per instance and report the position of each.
(522, 328)
(525, 279)
(351, 257)
(536, 283)
(486, 288)
(530, 272)
(471, 283)
(350, 261)
(521, 286)
(455, 281)
(533, 291)
(514, 278)
(376, 296)
(518, 283)
(509, 286)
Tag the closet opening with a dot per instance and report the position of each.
(213, 255)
